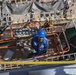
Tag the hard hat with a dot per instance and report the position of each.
(41, 33)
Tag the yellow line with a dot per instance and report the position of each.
(38, 63)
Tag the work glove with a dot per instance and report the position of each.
(33, 50)
(30, 50)
(27, 48)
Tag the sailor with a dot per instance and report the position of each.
(40, 43)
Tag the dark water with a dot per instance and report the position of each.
(70, 32)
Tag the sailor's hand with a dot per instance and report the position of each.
(34, 51)
(30, 50)
(27, 48)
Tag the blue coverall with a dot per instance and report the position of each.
(40, 48)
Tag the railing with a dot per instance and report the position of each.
(66, 59)
(27, 1)
(35, 16)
